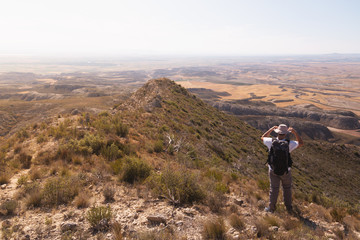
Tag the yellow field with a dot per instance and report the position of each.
(274, 93)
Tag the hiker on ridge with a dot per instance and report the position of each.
(280, 163)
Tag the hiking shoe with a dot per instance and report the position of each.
(290, 211)
(269, 210)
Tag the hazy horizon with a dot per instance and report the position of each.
(198, 28)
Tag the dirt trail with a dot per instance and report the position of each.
(10, 190)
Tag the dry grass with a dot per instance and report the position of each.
(262, 228)
(290, 224)
(109, 193)
(82, 200)
(214, 229)
(4, 179)
(117, 231)
(237, 222)
(319, 212)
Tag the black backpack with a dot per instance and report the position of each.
(279, 156)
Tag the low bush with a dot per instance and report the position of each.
(8, 207)
(22, 134)
(215, 201)
(41, 138)
(272, 220)
(134, 169)
(111, 152)
(25, 160)
(99, 218)
(4, 179)
(59, 190)
(214, 229)
(82, 200)
(236, 222)
(35, 174)
(109, 193)
(34, 199)
(338, 214)
(262, 228)
(263, 184)
(180, 187)
(22, 180)
(121, 129)
(158, 146)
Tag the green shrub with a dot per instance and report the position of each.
(121, 129)
(111, 152)
(59, 190)
(159, 146)
(215, 230)
(95, 142)
(8, 207)
(180, 187)
(116, 166)
(263, 184)
(214, 174)
(135, 169)
(22, 180)
(99, 218)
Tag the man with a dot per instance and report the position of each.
(283, 131)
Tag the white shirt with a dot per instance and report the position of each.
(292, 145)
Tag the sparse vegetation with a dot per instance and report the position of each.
(134, 170)
(178, 186)
(182, 150)
(8, 207)
(99, 218)
(236, 222)
(214, 230)
(82, 200)
(109, 193)
(4, 179)
(59, 190)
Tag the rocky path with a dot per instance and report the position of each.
(8, 190)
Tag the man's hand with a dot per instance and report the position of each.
(298, 138)
(267, 133)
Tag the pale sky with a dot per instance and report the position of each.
(191, 27)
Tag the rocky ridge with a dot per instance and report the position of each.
(193, 137)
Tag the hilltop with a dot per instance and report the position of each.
(165, 165)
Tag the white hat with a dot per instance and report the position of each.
(282, 129)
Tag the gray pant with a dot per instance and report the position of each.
(286, 182)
